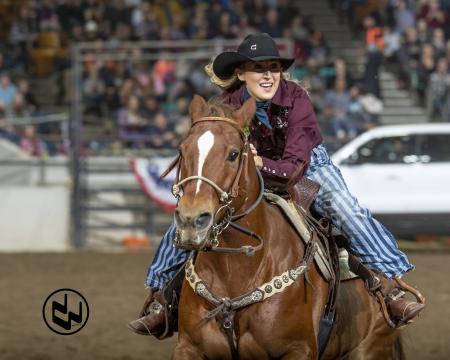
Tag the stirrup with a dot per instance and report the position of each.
(403, 288)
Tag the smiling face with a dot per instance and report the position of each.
(261, 78)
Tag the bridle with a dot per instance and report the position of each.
(225, 198)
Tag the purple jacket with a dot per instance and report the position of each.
(286, 148)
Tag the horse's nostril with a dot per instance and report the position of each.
(203, 220)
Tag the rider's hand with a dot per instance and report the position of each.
(257, 159)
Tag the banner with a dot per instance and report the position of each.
(147, 172)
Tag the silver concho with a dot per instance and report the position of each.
(293, 274)
(200, 288)
(277, 284)
(155, 307)
(257, 295)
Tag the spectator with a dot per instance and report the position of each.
(131, 118)
(337, 105)
(340, 72)
(8, 131)
(409, 55)
(31, 143)
(404, 17)
(151, 107)
(313, 81)
(225, 29)
(374, 48)
(423, 33)
(358, 115)
(438, 97)
(183, 122)
(160, 134)
(29, 103)
(145, 26)
(391, 44)
(93, 91)
(438, 42)
(258, 10)
(244, 26)
(286, 11)
(425, 67)
(271, 25)
(111, 101)
(434, 16)
(163, 75)
(319, 50)
(47, 16)
(8, 93)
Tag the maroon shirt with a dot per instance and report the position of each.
(286, 148)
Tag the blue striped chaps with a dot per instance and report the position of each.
(369, 239)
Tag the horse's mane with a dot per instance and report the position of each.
(217, 107)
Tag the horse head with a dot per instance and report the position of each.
(214, 158)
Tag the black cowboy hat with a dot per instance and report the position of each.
(253, 48)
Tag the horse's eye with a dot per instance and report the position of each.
(233, 155)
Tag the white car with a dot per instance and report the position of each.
(402, 174)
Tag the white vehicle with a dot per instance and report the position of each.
(402, 174)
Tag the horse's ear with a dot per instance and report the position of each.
(245, 114)
(197, 108)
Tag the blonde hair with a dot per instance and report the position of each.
(223, 84)
(233, 80)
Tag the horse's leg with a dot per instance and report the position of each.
(384, 345)
(184, 350)
(301, 352)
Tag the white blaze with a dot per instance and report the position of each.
(205, 143)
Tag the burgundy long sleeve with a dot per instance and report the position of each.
(286, 148)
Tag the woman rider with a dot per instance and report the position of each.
(286, 145)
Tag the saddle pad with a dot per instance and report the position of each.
(345, 272)
(300, 225)
(302, 228)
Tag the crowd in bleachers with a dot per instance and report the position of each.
(143, 103)
(414, 42)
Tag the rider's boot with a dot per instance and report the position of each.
(159, 315)
(152, 318)
(400, 309)
(390, 293)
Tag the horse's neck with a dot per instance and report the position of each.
(233, 274)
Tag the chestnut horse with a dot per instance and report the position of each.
(220, 183)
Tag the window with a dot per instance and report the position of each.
(435, 147)
(390, 150)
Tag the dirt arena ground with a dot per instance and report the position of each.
(113, 287)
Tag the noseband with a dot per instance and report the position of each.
(225, 198)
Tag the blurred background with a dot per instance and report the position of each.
(93, 102)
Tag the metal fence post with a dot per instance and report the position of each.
(75, 129)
